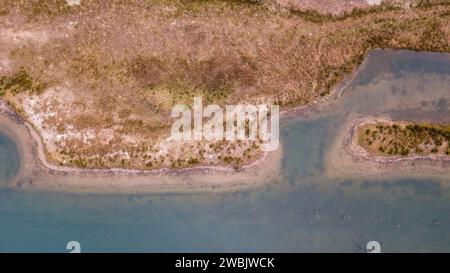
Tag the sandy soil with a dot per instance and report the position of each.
(335, 7)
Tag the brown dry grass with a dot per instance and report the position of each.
(405, 139)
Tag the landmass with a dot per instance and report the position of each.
(97, 80)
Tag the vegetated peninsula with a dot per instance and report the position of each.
(98, 80)
(404, 139)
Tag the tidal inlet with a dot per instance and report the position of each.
(224, 126)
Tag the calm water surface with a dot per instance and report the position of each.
(303, 211)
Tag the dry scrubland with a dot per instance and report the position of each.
(98, 80)
(405, 139)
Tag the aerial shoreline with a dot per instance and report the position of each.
(73, 179)
(345, 159)
(120, 101)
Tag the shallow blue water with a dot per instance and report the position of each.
(9, 159)
(303, 211)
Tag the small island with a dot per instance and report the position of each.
(379, 147)
(404, 139)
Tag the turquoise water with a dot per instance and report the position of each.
(303, 211)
